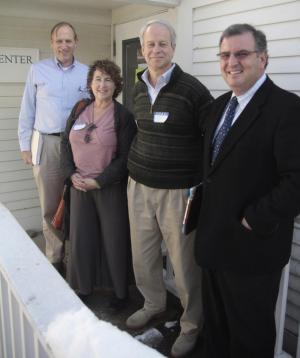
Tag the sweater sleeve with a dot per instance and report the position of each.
(66, 156)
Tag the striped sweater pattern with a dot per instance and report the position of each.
(168, 155)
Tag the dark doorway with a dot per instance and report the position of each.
(133, 62)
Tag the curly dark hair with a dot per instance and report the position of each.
(109, 67)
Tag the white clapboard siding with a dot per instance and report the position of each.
(280, 20)
(18, 195)
(284, 11)
(274, 31)
(9, 176)
(8, 145)
(9, 155)
(9, 112)
(9, 101)
(17, 187)
(291, 324)
(225, 8)
(9, 123)
(293, 314)
(8, 134)
(11, 166)
(22, 204)
(14, 186)
(11, 90)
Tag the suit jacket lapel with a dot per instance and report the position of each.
(241, 125)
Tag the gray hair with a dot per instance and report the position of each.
(158, 22)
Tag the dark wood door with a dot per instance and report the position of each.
(133, 61)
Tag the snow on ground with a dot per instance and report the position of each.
(171, 324)
(152, 337)
(80, 334)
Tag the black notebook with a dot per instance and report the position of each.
(192, 209)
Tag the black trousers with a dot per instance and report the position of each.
(99, 240)
(239, 314)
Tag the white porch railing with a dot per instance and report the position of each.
(41, 317)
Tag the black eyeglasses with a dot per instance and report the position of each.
(89, 129)
(239, 55)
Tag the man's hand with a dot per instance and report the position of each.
(27, 157)
(246, 225)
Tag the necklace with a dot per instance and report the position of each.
(90, 127)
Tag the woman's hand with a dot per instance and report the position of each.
(84, 184)
(78, 182)
(90, 184)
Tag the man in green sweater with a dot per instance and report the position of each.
(164, 161)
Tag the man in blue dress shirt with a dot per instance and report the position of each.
(52, 88)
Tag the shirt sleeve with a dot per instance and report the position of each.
(27, 112)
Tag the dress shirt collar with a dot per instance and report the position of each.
(162, 79)
(65, 68)
(245, 98)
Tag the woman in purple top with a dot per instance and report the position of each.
(94, 151)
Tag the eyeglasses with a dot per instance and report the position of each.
(239, 55)
(89, 129)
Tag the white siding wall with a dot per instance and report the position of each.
(17, 188)
(200, 23)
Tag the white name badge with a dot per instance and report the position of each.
(79, 126)
(160, 117)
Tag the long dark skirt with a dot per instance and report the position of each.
(99, 240)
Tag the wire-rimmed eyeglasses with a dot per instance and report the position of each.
(239, 55)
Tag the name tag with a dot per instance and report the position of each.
(79, 126)
(160, 117)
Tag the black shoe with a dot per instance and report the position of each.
(117, 304)
(84, 296)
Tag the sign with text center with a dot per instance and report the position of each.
(15, 63)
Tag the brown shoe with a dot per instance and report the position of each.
(141, 317)
(184, 344)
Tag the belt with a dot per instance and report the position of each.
(56, 134)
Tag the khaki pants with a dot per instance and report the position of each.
(49, 180)
(156, 215)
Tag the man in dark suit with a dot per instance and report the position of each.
(251, 194)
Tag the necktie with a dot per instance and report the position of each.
(219, 138)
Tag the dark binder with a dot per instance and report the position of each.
(192, 209)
